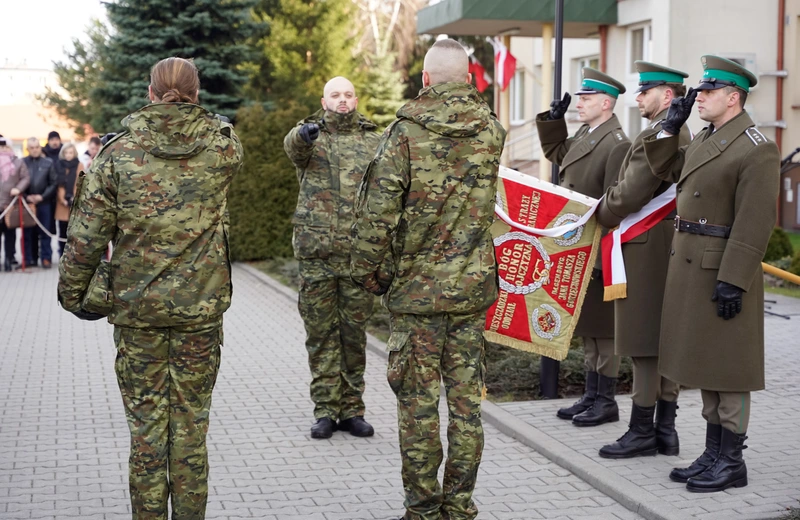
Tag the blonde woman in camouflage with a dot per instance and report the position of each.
(158, 191)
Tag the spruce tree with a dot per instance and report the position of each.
(212, 32)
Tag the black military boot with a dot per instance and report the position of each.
(323, 428)
(604, 408)
(7, 265)
(639, 440)
(704, 461)
(585, 402)
(666, 436)
(729, 470)
(357, 427)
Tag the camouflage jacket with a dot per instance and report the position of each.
(158, 191)
(426, 205)
(329, 172)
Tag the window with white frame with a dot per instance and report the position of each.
(592, 61)
(640, 44)
(517, 96)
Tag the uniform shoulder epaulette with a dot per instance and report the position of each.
(619, 135)
(755, 136)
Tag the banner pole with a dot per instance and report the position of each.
(549, 368)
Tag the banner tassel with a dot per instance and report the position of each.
(617, 291)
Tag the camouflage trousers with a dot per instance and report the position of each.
(335, 313)
(424, 350)
(166, 377)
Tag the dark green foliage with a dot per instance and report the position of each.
(794, 268)
(213, 32)
(264, 193)
(383, 91)
(779, 246)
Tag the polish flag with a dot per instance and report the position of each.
(505, 64)
(482, 78)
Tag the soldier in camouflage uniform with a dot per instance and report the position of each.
(158, 190)
(331, 150)
(421, 238)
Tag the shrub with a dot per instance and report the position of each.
(779, 245)
(263, 195)
(794, 267)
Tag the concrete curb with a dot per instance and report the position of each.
(623, 491)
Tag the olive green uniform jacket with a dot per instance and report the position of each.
(638, 317)
(590, 163)
(730, 178)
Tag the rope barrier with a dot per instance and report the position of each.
(9, 207)
(44, 229)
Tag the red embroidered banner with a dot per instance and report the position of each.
(545, 243)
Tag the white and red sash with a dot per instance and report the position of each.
(614, 280)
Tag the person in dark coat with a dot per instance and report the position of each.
(712, 326)
(590, 162)
(68, 169)
(40, 194)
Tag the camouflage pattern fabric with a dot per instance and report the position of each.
(422, 237)
(159, 192)
(426, 205)
(335, 313)
(329, 172)
(166, 377)
(333, 309)
(424, 349)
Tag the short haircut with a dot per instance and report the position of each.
(678, 89)
(447, 62)
(742, 95)
(34, 140)
(95, 140)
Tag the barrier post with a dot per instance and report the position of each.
(21, 232)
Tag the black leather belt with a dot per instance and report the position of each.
(701, 228)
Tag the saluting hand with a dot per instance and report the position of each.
(559, 108)
(729, 300)
(309, 132)
(679, 111)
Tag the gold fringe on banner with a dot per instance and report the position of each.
(618, 291)
(543, 350)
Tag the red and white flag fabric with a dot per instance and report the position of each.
(615, 282)
(505, 64)
(482, 78)
(545, 243)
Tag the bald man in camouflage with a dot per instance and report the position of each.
(421, 239)
(331, 150)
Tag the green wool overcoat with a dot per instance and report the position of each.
(730, 177)
(638, 316)
(590, 163)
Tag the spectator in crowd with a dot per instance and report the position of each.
(13, 181)
(53, 147)
(41, 194)
(88, 156)
(67, 171)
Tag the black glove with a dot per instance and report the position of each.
(309, 132)
(729, 300)
(679, 111)
(559, 108)
(106, 138)
(88, 316)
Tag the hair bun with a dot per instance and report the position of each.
(173, 95)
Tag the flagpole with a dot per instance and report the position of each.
(548, 367)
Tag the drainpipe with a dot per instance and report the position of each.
(547, 96)
(603, 30)
(779, 80)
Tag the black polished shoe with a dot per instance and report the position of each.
(604, 408)
(357, 427)
(729, 470)
(7, 266)
(639, 440)
(704, 461)
(585, 402)
(323, 428)
(666, 436)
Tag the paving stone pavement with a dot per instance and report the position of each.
(64, 441)
(773, 458)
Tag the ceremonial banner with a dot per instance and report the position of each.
(545, 242)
